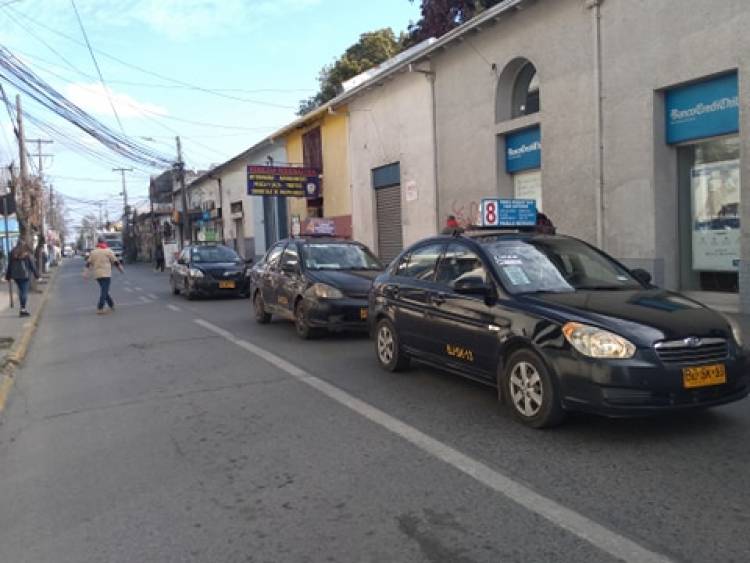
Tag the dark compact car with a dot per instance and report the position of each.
(556, 325)
(319, 283)
(209, 269)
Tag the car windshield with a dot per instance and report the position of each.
(555, 265)
(214, 254)
(338, 256)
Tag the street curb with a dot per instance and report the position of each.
(20, 348)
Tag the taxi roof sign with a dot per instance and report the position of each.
(508, 212)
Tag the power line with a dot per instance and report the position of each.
(96, 65)
(149, 72)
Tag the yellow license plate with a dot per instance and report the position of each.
(704, 376)
(363, 313)
(226, 285)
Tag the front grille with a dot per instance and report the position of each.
(692, 351)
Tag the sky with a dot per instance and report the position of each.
(249, 62)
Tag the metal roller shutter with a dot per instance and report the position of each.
(390, 240)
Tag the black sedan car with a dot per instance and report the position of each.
(319, 283)
(556, 325)
(209, 269)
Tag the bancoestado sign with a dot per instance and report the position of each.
(283, 181)
(706, 109)
(523, 150)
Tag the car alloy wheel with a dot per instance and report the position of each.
(388, 348)
(526, 389)
(260, 310)
(530, 389)
(300, 322)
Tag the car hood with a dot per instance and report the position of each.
(356, 282)
(645, 315)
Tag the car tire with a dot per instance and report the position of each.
(189, 293)
(388, 347)
(261, 316)
(301, 325)
(530, 391)
(175, 290)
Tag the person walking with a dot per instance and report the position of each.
(20, 269)
(100, 262)
(452, 226)
(159, 257)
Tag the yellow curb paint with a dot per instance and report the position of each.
(21, 347)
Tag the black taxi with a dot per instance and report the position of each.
(556, 325)
(209, 269)
(320, 283)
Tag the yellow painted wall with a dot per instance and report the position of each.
(337, 198)
(334, 132)
(297, 205)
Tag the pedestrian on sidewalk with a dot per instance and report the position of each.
(159, 257)
(20, 268)
(100, 262)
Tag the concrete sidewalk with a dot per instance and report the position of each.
(16, 332)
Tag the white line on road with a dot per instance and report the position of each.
(153, 296)
(138, 288)
(586, 529)
(145, 299)
(174, 308)
(128, 289)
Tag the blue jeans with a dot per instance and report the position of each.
(104, 293)
(23, 292)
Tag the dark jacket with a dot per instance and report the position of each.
(20, 269)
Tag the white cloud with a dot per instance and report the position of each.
(181, 19)
(93, 98)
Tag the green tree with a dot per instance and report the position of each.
(370, 50)
(438, 17)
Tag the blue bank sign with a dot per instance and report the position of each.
(706, 109)
(523, 150)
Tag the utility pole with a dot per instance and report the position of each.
(38, 203)
(24, 227)
(125, 211)
(180, 165)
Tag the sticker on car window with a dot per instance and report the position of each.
(516, 275)
(507, 259)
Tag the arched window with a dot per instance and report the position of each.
(526, 91)
(517, 90)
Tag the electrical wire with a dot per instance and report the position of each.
(16, 73)
(183, 83)
(96, 65)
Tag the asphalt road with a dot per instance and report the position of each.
(182, 431)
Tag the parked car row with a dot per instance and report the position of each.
(551, 322)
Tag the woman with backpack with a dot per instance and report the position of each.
(20, 268)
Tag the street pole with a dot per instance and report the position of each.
(39, 202)
(125, 211)
(181, 177)
(6, 244)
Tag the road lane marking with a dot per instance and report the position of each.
(128, 289)
(577, 524)
(152, 296)
(145, 299)
(174, 308)
(138, 288)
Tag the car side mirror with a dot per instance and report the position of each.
(642, 276)
(472, 285)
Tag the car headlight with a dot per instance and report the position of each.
(736, 330)
(195, 273)
(325, 291)
(595, 342)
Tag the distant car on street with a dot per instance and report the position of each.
(320, 283)
(209, 270)
(555, 325)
